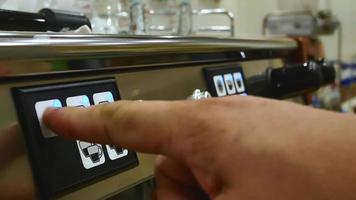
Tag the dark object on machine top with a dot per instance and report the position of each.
(45, 20)
(291, 80)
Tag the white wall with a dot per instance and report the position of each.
(345, 10)
(33, 5)
(250, 13)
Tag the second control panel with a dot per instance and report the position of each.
(225, 81)
(60, 164)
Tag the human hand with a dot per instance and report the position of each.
(227, 148)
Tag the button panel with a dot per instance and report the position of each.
(59, 164)
(225, 81)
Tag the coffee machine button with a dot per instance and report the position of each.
(40, 108)
(116, 152)
(219, 85)
(103, 97)
(91, 154)
(230, 85)
(198, 95)
(78, 101)
(239, 82)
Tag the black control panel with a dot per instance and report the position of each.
(61, 165)
(225, 81)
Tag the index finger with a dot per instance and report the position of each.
(151, 127)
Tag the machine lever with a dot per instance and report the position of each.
(291, 80)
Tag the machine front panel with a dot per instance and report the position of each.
(166, 83)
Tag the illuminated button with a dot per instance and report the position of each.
(219, 86)
(78, 101)
(116, 152)
(103, 97)
(230, 85)
(40, 109)
(239, 82)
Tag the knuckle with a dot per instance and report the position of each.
(159, 162)
(115, 118)
(119, 113)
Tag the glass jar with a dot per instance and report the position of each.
(105, 16)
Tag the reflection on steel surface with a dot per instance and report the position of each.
(15, 182)
(50, 46)
(198, 94)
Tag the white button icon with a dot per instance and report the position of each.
(103, 97)
(40, 109)
(230, 85)
(92, 155)
(78, 101)
(219, 85)
(239, 82)
(116, 152)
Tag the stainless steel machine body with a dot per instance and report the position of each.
(155, 68)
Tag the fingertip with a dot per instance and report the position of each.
(53, 119)
(48, 111)
(159, 161)
(76, 123)
(49, 115)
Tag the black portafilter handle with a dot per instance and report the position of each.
(291, 80)
(59, 20)
(45, 20)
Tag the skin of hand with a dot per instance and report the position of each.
(228, 148)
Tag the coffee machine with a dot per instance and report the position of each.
(39, 70)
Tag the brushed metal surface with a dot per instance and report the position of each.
(145, 68)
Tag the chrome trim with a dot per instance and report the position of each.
(51, 46)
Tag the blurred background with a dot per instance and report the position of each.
(249, 14)
(323, 27)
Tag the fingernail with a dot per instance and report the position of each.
(50, 110)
